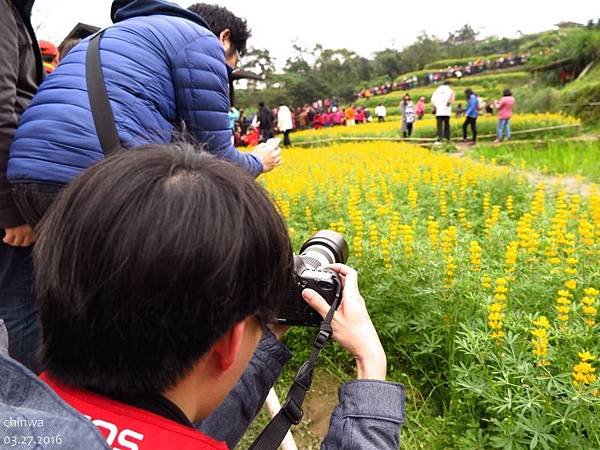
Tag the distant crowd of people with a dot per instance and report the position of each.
(266, 122)
(435, 76)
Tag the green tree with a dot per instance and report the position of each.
(259, 61)
(389, 62)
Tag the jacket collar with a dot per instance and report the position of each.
(126, 9)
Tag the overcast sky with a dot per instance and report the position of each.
(362, 26)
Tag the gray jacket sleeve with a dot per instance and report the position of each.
(9, 69)
(230, 421)
(368, 417)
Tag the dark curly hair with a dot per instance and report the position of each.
(220, 19)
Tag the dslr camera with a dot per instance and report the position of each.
(310, 272)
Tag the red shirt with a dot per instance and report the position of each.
(129, 428)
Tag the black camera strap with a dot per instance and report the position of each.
(102, 113)
(291, 412)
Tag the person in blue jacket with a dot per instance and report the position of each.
(471, 115)
(166, 71)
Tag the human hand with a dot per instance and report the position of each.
(21, 236)
(352, 326)
(270, 158)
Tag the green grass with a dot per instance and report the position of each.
(569, 158)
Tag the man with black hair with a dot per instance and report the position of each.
(157, 336)
(220, 20)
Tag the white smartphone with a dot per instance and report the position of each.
(272, 143)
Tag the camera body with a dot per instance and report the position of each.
(310, 272)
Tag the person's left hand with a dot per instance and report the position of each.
(20, 236)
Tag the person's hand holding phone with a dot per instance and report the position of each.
(269, 154)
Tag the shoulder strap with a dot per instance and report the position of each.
(104, 120)
(291, 412)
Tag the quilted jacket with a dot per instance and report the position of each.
(164, 71)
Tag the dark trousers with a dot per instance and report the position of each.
(380, 119)
(473, 122)
(265, 135)
(286, 138)
(409, 127)
(443, 127)
(18, 308)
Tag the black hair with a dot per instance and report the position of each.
(149, 257)
(468, 93)
(220, 19)
(261, 104)
(506, 93)
(66, 46)
(447, 82)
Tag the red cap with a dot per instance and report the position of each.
(48, 48)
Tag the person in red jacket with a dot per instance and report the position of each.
(49, 56)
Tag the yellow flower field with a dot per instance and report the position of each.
(484, 289)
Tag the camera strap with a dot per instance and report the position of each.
(291, 412)
(102, 113)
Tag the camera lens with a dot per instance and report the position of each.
(323, 248)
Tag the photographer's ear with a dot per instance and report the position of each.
(225, 350)
(231, 53)
(233, 350)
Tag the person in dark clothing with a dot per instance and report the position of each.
(21, 72)
(471, 114)
(265, 119)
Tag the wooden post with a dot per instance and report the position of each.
(274, 406)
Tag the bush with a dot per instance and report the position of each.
(532, 100)
(577, 96)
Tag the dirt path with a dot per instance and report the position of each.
(320, 402)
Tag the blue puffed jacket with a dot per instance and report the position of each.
(164, 70)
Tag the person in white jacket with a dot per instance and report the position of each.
(442, 100)
(380, 112)
(285, 123)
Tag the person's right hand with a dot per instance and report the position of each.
(270, 158)
(352, 326)
(21, 236)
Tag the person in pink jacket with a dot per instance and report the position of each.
(420, 108)
(504, 107)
